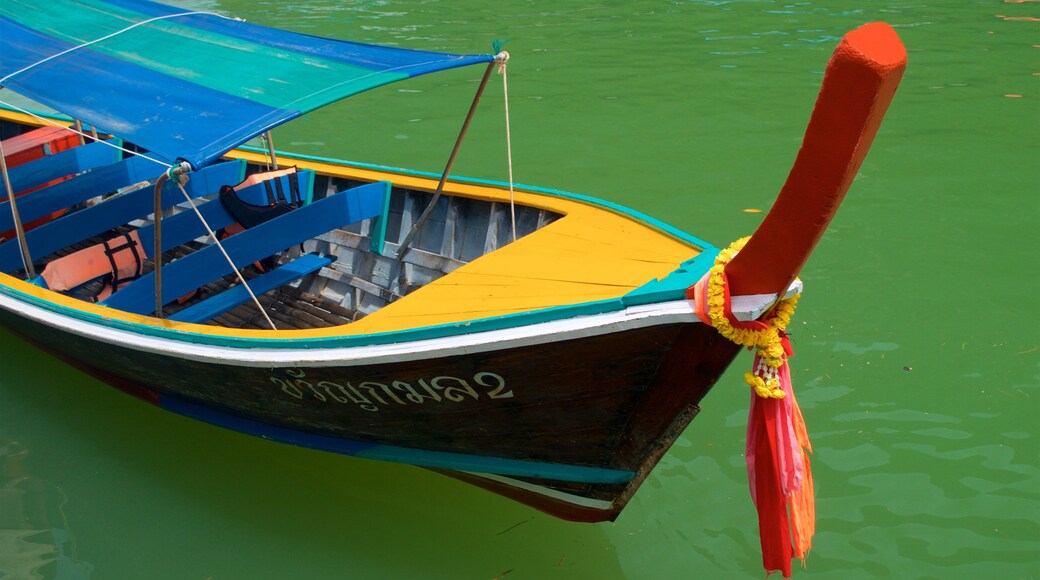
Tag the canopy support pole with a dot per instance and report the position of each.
(403, 249)
(270, 150)
(23, 244)
(78, 126)
(175, 171)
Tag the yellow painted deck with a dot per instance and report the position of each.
(590, 254)
(584, 256)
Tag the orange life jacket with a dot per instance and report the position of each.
(119, 260)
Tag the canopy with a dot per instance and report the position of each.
(186, 85)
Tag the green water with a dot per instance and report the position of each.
(917, 342)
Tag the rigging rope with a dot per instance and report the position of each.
(92, 135)
(209, 230)
(106, 37)
(509, 140)
(220, 247)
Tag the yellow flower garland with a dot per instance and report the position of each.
(768, 341)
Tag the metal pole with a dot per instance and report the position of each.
(176, 171)
(78, 126)
(270, 150)
(23, 245)
(403, 249)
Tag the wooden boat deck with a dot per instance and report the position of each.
(590, 253)
(584, 256)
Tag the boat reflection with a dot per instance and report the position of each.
(35, 542)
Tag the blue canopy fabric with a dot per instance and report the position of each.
(186, 85)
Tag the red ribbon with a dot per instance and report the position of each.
(777, 462)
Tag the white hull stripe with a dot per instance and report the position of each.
(634, 317)
(679, 311)
(547, 492)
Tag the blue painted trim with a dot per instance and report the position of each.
(256, 243)
(72, 161)
(81, 225)
(421, 458)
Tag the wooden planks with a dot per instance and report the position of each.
(588, 255)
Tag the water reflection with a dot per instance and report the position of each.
(926, 461)
(35, 541)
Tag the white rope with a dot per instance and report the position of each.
(209, 230)
(267, 149)
(509, 141)
(108, 143)
(86, 44)
(220, 247)
(106, 37)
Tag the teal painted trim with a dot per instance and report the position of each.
(497, 465)
(419, 457)
(640, 216)
(241, 171)
(670, 230)
(308, 187)
(378, 229)
(666, 288)
(51, 115)
(674, 285)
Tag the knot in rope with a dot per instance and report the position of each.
(178, 172)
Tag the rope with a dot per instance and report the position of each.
(269, 158)
(509, 141)
(220, 247)
(108, 143)
(169, 167)
(106, 37)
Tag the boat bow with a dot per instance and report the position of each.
(858, 86)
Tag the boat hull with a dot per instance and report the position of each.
(567, 422)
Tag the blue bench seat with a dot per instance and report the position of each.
(236, 296)
(207, 264)
(86, 223)
(62, 164)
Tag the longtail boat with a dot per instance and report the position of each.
(547, 346)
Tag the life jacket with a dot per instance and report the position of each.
(282, 189)
(117, 261)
